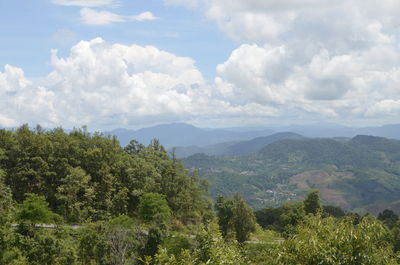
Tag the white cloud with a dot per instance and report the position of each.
(385, 107)
(111, 85)
(260, 20)
(105, 85)
(86, 3)
(337, 59)
(12, 79)
(144, 16)
(342, 86)
(21, 101)
(93, 17)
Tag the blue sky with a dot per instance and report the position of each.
(119, 63)
(30, 29)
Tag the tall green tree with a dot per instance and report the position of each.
(75, 195)
(154, 207)
(312, 203)
(6, 201)
(35, 210)
(235, 216)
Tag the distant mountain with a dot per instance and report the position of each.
(256, 144)
(316, 152)
(185, 135)
(235, 148)
(181, 134)
(212, 150)
(358, 173)
(389, 131)
(330, 130)
(320, 130)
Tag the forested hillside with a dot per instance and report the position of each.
(361, 173)
(91, 177)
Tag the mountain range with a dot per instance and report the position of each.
(185, 135)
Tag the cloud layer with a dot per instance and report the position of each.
(297, 60)
(335, 58)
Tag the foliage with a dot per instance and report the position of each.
(235, 216)
(312, 204)
(75, 195)
(388, 217)
(154, 207)
(6, 202)
(211, 249)
(90, 180)
(35, 210)
(336, 241)
(281, 219)
(334, 211)
(39, 247)
(90, 177)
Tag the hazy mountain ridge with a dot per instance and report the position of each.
(184, 135)
(236, 148)
(181, 134)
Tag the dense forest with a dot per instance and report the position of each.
(81, 198)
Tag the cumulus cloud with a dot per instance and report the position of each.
(110, 85)
(93, 17)
(20, 98)
(332, 85)
(85, 3)
(331, 58)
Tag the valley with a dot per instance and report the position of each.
(357, 174)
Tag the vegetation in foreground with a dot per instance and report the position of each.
(137, 205)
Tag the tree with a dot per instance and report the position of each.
(154, 239)
(134, 147)
(334, 211)
(234, 215)
(312, 203)
(388, 217)
(154, 207)
(35, 210)
(244, 219)
(75, 195)
(125, 238)
(282, 219)
(6, 202)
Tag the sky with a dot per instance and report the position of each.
(212, 63)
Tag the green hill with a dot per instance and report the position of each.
(354, 174)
